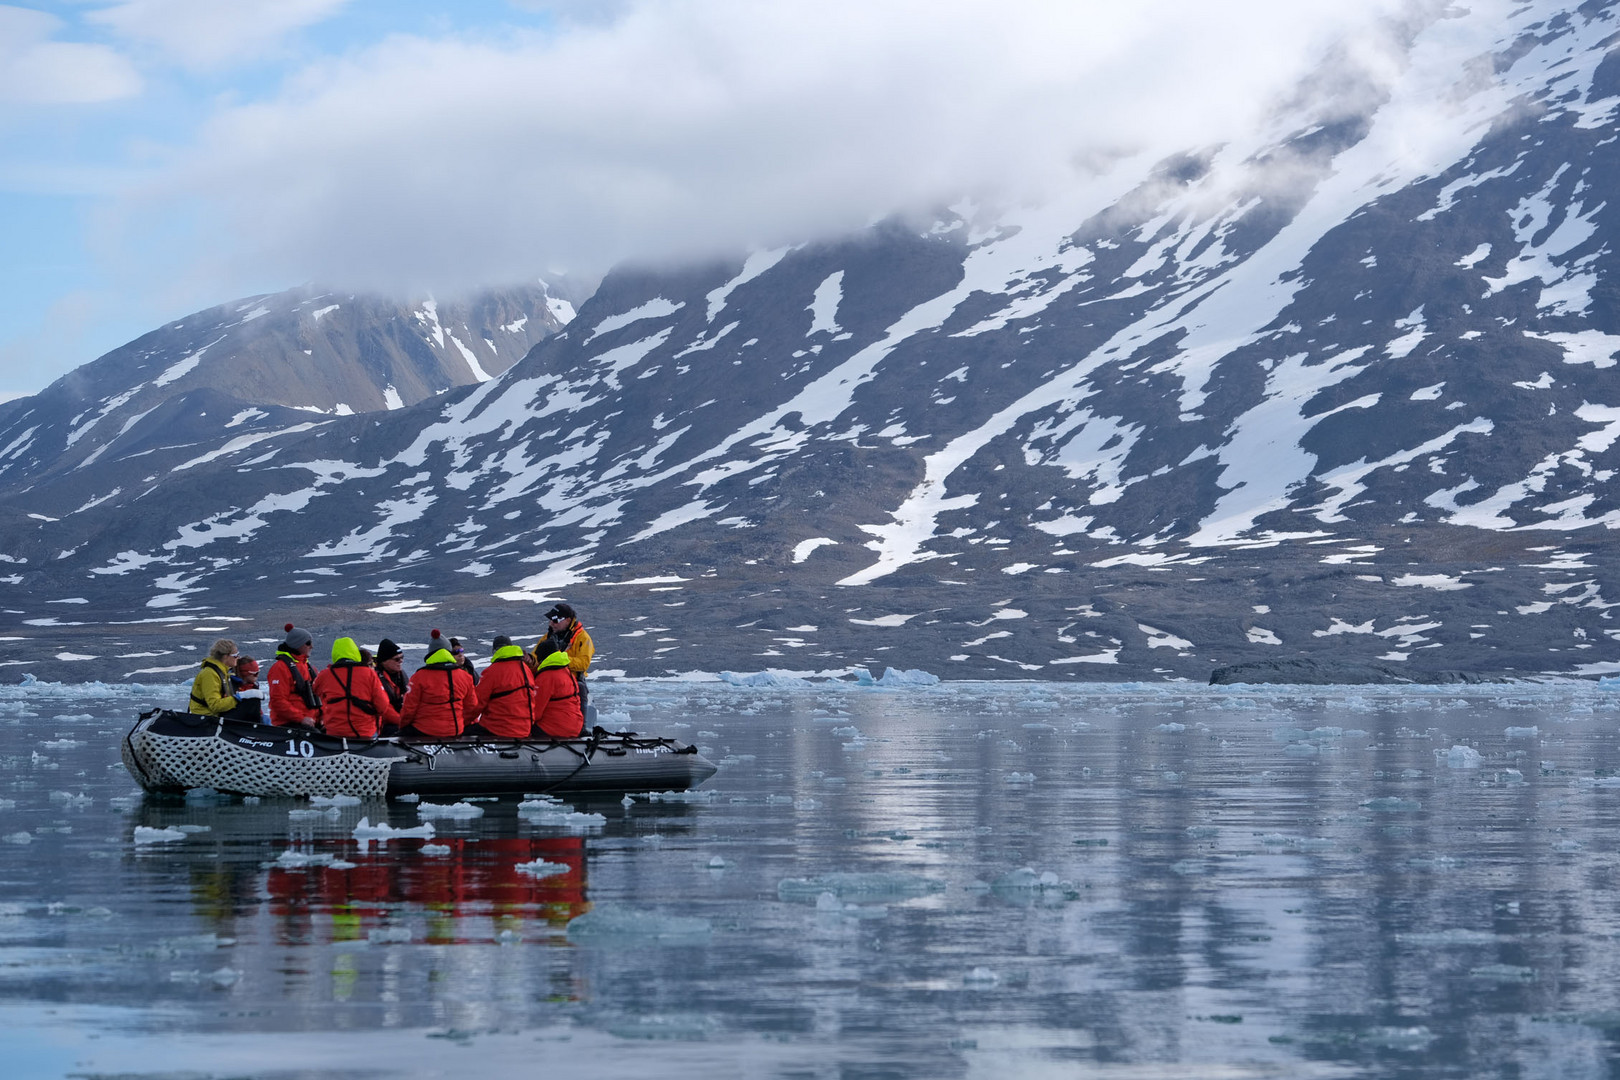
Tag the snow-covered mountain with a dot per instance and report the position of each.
(254, 364)
(1344, 391)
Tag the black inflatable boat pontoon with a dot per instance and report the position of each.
(170, 752)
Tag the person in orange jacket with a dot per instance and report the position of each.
(292, 692)
(505, 695)
(441, 698)
(353, 701)
(556, 698)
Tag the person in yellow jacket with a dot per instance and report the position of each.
(211, 690)
(566, 635)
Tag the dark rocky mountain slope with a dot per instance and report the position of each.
(1346, 392)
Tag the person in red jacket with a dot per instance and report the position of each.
(556, 699)
(505, 695)
(441, 698)
(353, 701)
(292, 693)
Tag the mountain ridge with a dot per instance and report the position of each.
(1321, 394)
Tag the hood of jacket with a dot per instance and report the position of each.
(507, 652)
(556, 659)
(440, 656)
(344, 648)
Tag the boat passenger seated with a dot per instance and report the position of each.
(245, 676)
(353, 701)
(441, 698)
(557, 699)
(211, 690)
(505, 707)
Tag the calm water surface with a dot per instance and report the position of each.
(990, 880)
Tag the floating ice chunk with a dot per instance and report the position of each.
(384, 831)
(8, 804)
(1019, 778)
(1461, 757)
(613, 924)
(334, 800)
(412, 797)
(434, 849)
(1025, 878)
(872, 885)
(980, 976)
(1522, 732)
(23, 838)
(1454, 936)
(146, 835)
(305, 813)
(71, 799)
(547, 813)
(192, 829)
(708, 795)
(61, 744)
(1391, 804)
(1171, 727)
(303, 860)
(717, 863)
(223, 978)
(540, 868)
(429, 810)
(1401, 1038)
(1502, 973)
(896, 678)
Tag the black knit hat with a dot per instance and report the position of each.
(386, 650)
(501, 641)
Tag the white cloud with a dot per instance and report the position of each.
(679, 128)
(203, 34)
(36, 70)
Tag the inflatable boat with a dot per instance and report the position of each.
(171, 752)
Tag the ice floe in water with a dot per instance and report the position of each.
(292, 859)
(1460, 757)
(429, 810)
(617, 924)
(541, 868)
(384, 831)
(871, 885)
(145, 834)
(549, 812)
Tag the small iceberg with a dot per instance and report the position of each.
(384, 831)
(865, 886)
(613, 924)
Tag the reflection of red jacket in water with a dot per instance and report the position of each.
(441, 699)
(463, 888)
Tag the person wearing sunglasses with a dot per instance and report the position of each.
(565, 635)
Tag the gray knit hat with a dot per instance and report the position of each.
(296, 639)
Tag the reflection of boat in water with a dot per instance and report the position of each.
(171, 752)
(465, 891)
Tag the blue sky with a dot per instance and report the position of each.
(162, 156)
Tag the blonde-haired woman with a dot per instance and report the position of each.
(211, 690)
